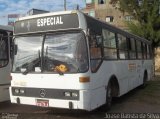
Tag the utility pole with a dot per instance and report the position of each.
(77, 7)
(65, 5)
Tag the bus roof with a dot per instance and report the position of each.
(72, 20)
(46, 14)
(91, 21)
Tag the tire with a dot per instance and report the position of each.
(145, 78)
(109, 96)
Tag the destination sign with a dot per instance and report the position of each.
(48, 23)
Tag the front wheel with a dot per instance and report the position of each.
(109, 96)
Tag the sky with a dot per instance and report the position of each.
(23, 6)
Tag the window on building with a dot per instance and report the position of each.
(89, 1)
(92, 13)
(109, 18)
(140, 2)
(128, 18)
(101, 1)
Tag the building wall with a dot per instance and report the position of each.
(157, 60)
(106, 12)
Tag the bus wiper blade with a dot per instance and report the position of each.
(30, 66)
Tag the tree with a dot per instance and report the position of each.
(146, 15)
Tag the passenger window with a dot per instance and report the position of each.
(132, 48)
(95, 53)
(139, 49)
(149, 52)
(109, 39)
(144, 50)
(109, 43)
(122, 45)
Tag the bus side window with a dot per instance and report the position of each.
(95, 54)
(139, 49)
(109, 44)
(149, 53)
(144, 50)
(132, 48)
(122, 45)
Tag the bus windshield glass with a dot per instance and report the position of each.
(53, 53)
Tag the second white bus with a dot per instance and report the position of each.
(5, 66)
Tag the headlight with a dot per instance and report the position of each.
(74, 94)
(16, 91)
(21, 91)
(67, 94)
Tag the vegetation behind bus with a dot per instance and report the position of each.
(146, 15)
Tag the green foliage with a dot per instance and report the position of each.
(146, 16)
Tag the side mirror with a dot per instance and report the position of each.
(99, 41)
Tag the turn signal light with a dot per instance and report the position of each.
(84, 79)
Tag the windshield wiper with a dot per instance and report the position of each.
(53, 61)
(31, 64)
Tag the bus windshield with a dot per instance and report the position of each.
(53, 53)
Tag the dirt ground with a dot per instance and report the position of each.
(145, 101)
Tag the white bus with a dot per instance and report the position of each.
(5, 40)
(71, 60)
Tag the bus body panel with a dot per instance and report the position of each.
(4, 83)
(66, 81)
(5, 74)
(89, 100)
(90, 93)
(127, 78)
(4, 91)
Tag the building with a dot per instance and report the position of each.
(12, 18)
(157, 60)
(106, 11)
(36, 11)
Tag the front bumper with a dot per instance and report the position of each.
(55, 98)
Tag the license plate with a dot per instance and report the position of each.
(42, 103)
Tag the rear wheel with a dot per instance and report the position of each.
(145, 78)
(109, 96)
